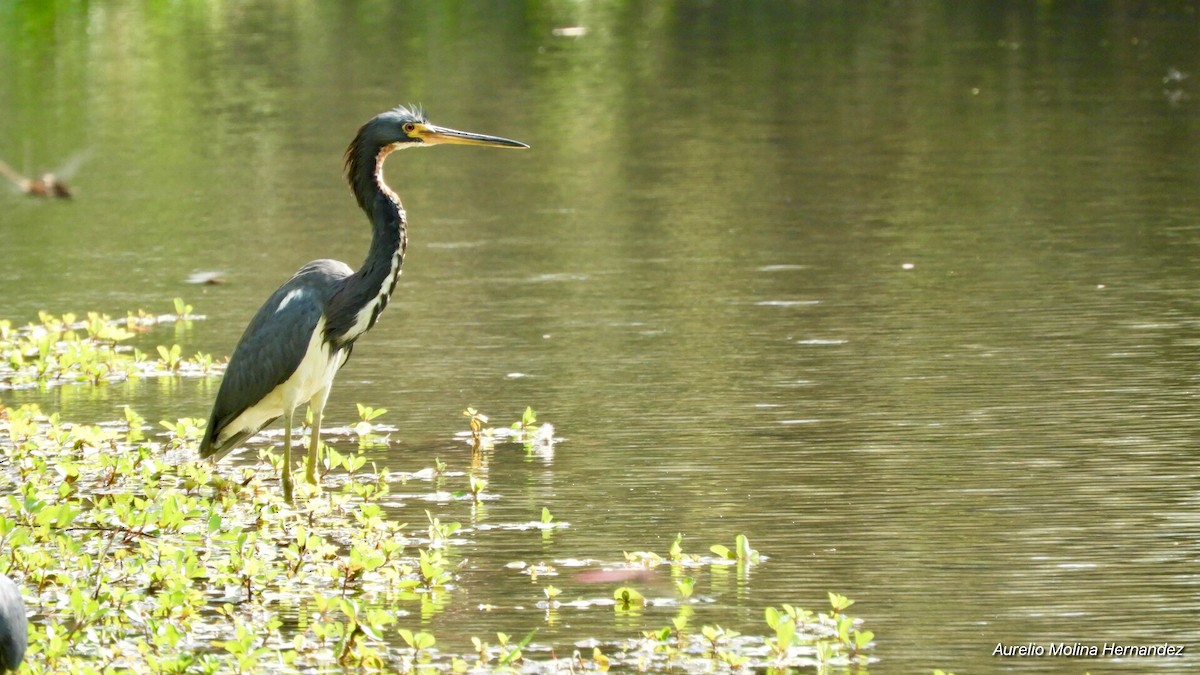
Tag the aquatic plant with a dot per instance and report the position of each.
(628, 599)
(742, 553)
(64, 349)
(481, 436)
(163, 550)
(136, 559)
(369, 433)
(532, 436)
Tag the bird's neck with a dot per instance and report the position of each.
(389, 234)
(389, 240)
(373, 283)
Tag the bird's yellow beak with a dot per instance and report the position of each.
(432, 134)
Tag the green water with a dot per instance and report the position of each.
(907, 293)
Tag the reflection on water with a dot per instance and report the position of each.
(905, 294)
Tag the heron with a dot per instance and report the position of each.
(14, 626)
(295, 344)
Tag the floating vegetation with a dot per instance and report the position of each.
(741, 554)
(537, 439)
(794, 637)
(141, 561)
(133, 557)
(66, 349)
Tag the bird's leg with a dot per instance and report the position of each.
(318, 406)
(286, 469)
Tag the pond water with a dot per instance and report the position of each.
(906, 294)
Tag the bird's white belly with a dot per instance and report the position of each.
(314, 375)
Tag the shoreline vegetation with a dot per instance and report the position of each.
(134, 557)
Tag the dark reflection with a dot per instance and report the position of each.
(904, 292)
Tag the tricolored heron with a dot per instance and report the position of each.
(295, 344)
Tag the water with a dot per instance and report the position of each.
(904, 294)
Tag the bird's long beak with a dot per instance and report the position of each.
(432, 134)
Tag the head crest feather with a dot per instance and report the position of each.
(415, 110)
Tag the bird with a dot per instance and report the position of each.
(50, 184)
(303, 334)
(14, 626)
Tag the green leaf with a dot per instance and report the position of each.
(722, 552)
(627, 598)
(677, 547)
(772, 616)
(423, 640)
(744, 552)
(843, 624)
(512, 655)
(839, 602)
(785, 631)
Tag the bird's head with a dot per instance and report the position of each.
(398, 128)
(404, 127)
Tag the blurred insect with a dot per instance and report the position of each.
(49, 184)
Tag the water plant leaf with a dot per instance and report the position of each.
(839, 602)
(628, 598)
(785, 632)
(744, 552)
(185, 566)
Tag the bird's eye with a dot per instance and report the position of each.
(409, 127)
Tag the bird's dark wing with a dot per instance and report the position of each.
(271, 349)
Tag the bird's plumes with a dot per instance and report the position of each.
(413, 110)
